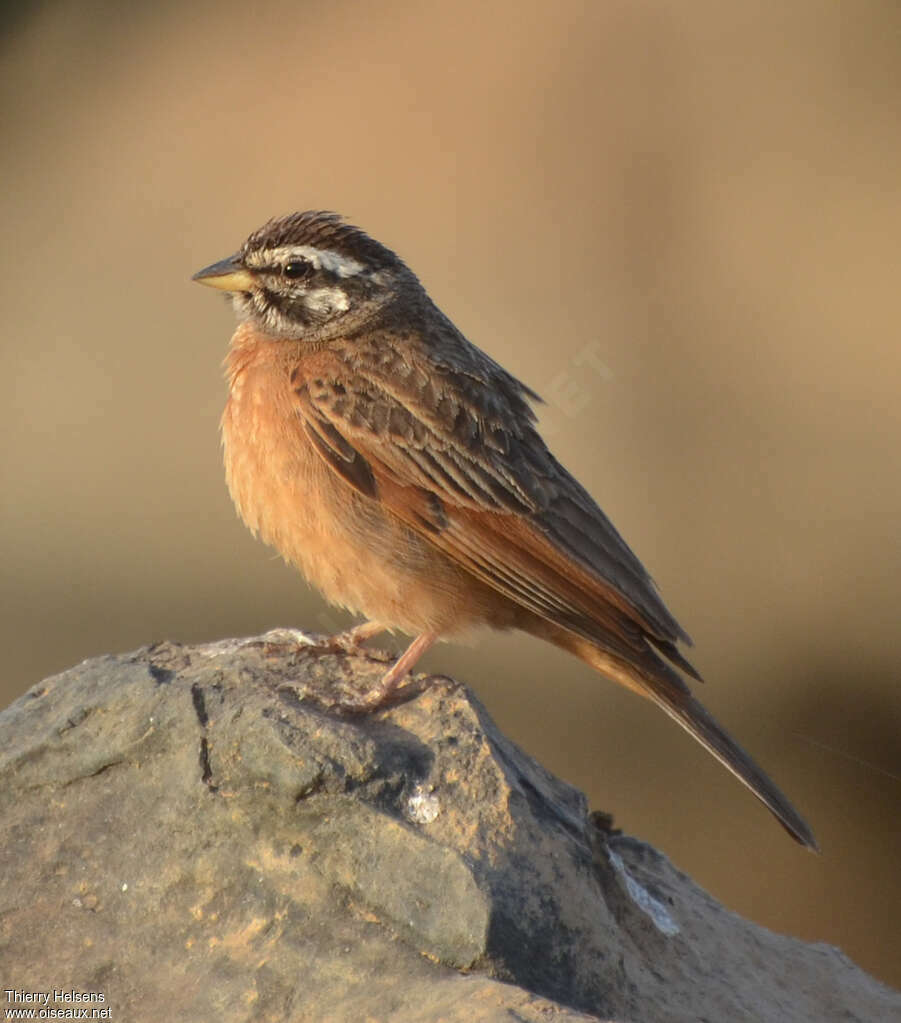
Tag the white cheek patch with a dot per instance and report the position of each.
(326, 301)
(242, 305)
(321, 259)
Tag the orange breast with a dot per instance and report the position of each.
(355, 552)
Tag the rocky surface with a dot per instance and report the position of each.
(198, 834)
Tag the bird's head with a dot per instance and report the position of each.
(309, 275)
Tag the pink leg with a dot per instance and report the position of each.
(351, 639)
(399, 670)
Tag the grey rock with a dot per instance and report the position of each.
(198, 833)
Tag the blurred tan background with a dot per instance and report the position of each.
(680, 223)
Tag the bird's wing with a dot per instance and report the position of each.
(470, 473)
(484, 489)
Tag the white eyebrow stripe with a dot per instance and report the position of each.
(321, 259)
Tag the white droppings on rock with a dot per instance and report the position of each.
(281, 636)
(285, 635)
(423, 806)
(654, 908)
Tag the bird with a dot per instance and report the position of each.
(401, 469)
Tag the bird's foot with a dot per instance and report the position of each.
(389, 691)
(351, 640)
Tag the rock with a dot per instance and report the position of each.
(196, 833)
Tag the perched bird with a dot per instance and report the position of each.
(400, 469)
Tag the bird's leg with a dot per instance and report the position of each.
(407, 661)
(352, 639)
(390, 681)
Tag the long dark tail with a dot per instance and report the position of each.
(695, 719)
(672, 695)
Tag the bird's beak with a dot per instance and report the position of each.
(226, 275)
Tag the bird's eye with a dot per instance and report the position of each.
(297, 268)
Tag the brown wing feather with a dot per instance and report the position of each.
(500, 506)
(490, 496)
